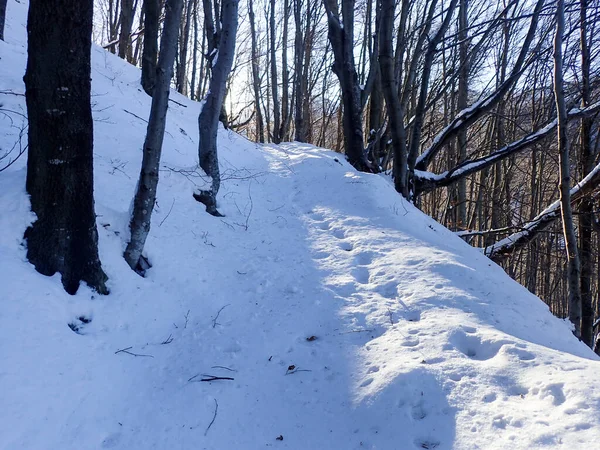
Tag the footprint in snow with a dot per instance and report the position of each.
(363, 259)
(475, 347)
(418, 411)
(367, 382)
(78, 325)
(427, 444)
(339, 233)
(361, 275)
(346, 246)
(554, 390)
(112, 440)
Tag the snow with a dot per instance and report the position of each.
(419, 340)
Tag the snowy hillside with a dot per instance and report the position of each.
(341, 316)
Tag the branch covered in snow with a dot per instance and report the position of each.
(427, 181)
(529, 231)
(470, 115)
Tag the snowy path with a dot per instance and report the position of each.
(400, 335)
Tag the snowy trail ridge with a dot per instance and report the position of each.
(334, 314)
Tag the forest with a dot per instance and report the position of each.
(388, 154)
(461, 102)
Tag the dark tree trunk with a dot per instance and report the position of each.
(212, 28)
(2, 17)
(150, 52)
(60, 182)
(299, 85)
(260, 128)
(462, 100)
(127, 10)
(286, 110)
(419, 116)
(274, 86)
(573, 262)
(208, 121)
(341, 37)
(586, 208)
(180, 82)
(389, 86)
(193, 94)
(145, 195)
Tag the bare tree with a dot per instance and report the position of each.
(256, 80)
(389, 77)
(586, 162)
(150, 51)
(574, 266)
(274, 83)
(208, 120)
(2, 17)
(145, 195)
(60, 182)
(341, 37)
(126, 20)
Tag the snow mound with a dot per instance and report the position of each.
(337, 315)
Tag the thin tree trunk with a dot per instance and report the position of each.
(390, 89)
(260, 128)
(419, 117)
(64, 238)
(145, 195)
(463, 97)
(184, 38)
(274, 86)
(208, 120)
(586, 208)
(3, 17)
(193, 93)
(341, 37)
(150, 52)
(285, 75)
(299, 119)
(574, 267)
(126, 23)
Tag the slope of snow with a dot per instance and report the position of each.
(400, 334)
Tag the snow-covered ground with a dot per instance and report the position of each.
(345, 317)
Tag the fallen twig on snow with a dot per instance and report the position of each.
(208, 378)
(167, 340)
(126, 350)
(214, 417)
(214, 322)
(223, 367)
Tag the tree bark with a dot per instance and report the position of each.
(260, 128)
(193, 94)
(2, 17)
(286, 110)
(127, 11)
(64, 238)
(274, 85)
(574, 266)
(341, 37)
(150, 52)
(462, 100)
(586, 208)
(389, 84)
(208, 120)
(180, 82)
(299, 84)
(145, 195)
